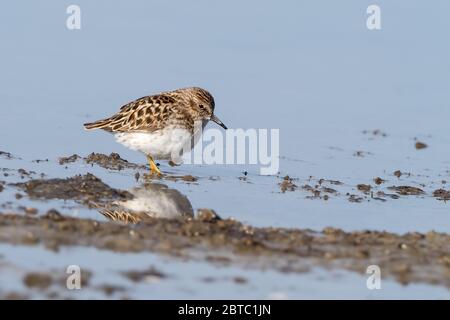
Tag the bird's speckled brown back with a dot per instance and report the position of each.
(151, 113)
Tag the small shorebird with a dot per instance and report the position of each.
(161, 125)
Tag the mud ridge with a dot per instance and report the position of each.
(412, 257)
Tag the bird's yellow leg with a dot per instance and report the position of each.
(153, 167)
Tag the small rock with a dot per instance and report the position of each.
(328, 190)
(240, 280)
(149, 275)
(37, 280)
(31, 211)
(207, 215)
(355, 198)
(189, 178)
(364, 187)
(110, 289)
(70, 159)
(287, 185)
(421, 145)
(54, 215)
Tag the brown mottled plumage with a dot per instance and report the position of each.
(160, 124)
(178, 108)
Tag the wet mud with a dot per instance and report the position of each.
(442, 194)
(412, 257)
(326, 189)
(111, 162)
(86, 189)
(115, 162)
(407, 190)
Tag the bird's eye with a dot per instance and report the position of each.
(202, 107)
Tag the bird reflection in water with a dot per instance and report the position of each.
(151, 200)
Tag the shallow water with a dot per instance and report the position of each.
(187, 280)
(310, 69)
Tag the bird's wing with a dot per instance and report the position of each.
(125, 216)
(146, 114)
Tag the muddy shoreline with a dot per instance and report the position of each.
(412, 257)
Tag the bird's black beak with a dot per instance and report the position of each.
(217, 120)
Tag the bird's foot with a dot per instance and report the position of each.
(153, 167)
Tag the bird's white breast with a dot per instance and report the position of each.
(162, 144)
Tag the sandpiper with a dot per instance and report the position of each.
(161, 125)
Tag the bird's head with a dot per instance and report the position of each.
(202, 105)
